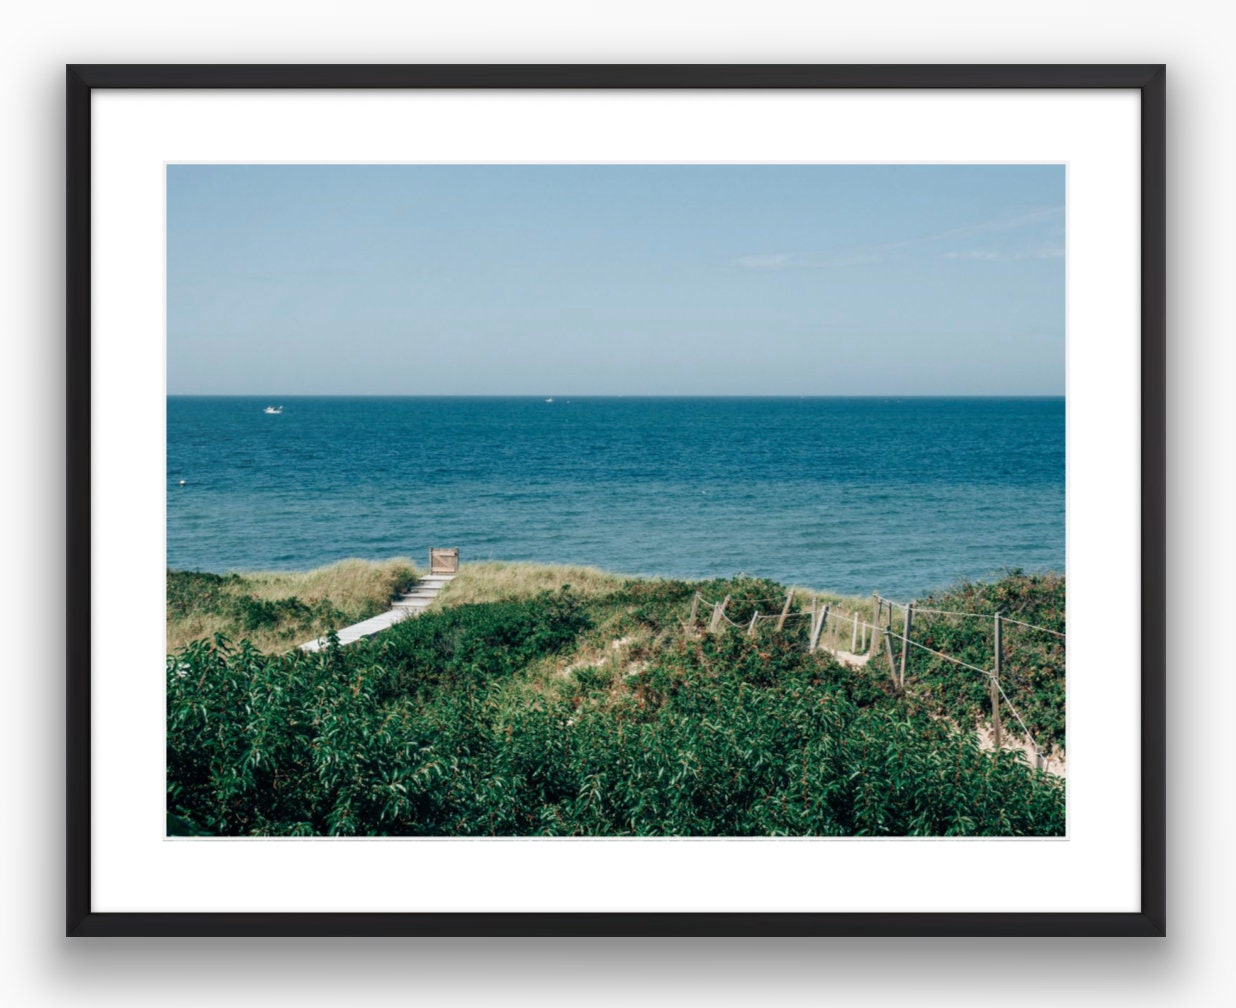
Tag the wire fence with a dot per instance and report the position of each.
(866, 637)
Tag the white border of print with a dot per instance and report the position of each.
(136, 868)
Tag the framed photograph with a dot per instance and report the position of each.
(616, 500)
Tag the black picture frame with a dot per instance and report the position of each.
(1148, 79)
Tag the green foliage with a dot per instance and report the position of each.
(277, 610)
(1033, 667)
(464, 721)
(199, 592)
(450, 648)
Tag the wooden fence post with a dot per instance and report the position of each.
(816, 626)
(905, 644)
(718, 611)
(695, 604)
(785, 611)
(892, 661)
(755, 616)
(854, 635)
(873, 645)
(995, 690)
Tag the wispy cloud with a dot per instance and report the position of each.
(768, 261)
(992, 255)
(891, 251)
(1040, 215)
(811, 260)
(983, 255)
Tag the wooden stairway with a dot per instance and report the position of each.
(411, 603)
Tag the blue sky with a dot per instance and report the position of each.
(616, 279)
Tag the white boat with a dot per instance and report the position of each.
(273, 409)
(549, 400)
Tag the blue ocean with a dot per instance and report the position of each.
(843, 494)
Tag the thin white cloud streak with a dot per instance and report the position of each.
(990, 255)
(858, 256)
(980, 255)
(997, 224)
(797, 260)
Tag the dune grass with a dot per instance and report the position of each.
(497, 580)
(628, 616)
(348, 584)
(850, 603)
(276, 610)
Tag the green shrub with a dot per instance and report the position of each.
(443, 726)
(1033, 666)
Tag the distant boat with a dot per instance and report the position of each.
(273, 409)
(549, 400)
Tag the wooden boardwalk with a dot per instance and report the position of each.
(411, 603)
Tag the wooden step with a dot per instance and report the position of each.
(411, 603)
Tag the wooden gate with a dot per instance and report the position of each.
(443, 561)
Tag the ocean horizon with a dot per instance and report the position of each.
(901, 494)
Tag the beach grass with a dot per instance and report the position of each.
(277, 610)
(495, 580)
